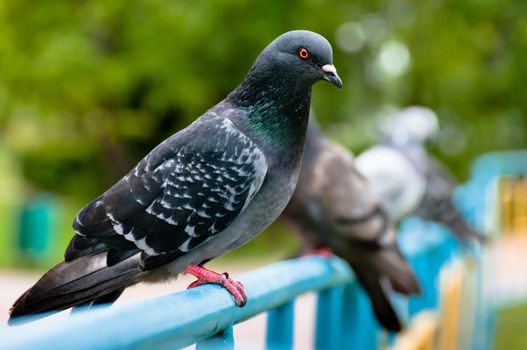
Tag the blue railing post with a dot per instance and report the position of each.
(280, 330)
(350, 317)
(359, 327)
(427, 246)
(328, 319)
(221, 341)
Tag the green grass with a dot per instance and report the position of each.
(511, 328)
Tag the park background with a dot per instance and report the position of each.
(87, 88)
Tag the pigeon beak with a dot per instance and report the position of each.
(330, 74)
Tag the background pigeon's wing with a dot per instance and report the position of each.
(187, 190)
(438, 204)
(350, 207)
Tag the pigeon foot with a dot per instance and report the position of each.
(324, 252)
(206, 276)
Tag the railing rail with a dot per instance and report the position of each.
(206, 315)
(183, 318)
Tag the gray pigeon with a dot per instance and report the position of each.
(333, 207)
(204, 191)
(408, 179)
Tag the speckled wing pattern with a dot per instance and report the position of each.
(188, 189)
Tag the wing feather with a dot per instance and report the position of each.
(187, 190)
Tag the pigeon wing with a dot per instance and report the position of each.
(187, 190)
(350, 207)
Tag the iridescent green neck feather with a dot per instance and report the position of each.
(277, 107)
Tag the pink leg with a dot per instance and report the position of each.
(324, 252)
(206, 276)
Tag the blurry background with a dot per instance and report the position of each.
(87, 88)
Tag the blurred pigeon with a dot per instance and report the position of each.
(204, 191)
(408, 179)
(333, 207)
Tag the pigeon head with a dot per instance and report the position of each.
(299, 55)
(288, 67)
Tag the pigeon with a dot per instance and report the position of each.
(408, 179)
(204, 191)
(334, 209)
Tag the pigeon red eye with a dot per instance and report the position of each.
(303, 53)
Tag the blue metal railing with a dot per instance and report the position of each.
(206, 315)
(186, 317)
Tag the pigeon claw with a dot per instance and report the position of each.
(236, 289)
(206, 276)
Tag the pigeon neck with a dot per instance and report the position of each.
(276, 112)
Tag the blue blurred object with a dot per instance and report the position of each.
(476, 198)
(428, 246)
(37, 228)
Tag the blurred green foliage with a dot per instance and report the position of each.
(87, 88)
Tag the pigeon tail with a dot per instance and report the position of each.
(84, 281)
(378, 292)
(393, 264)
(380, 272)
